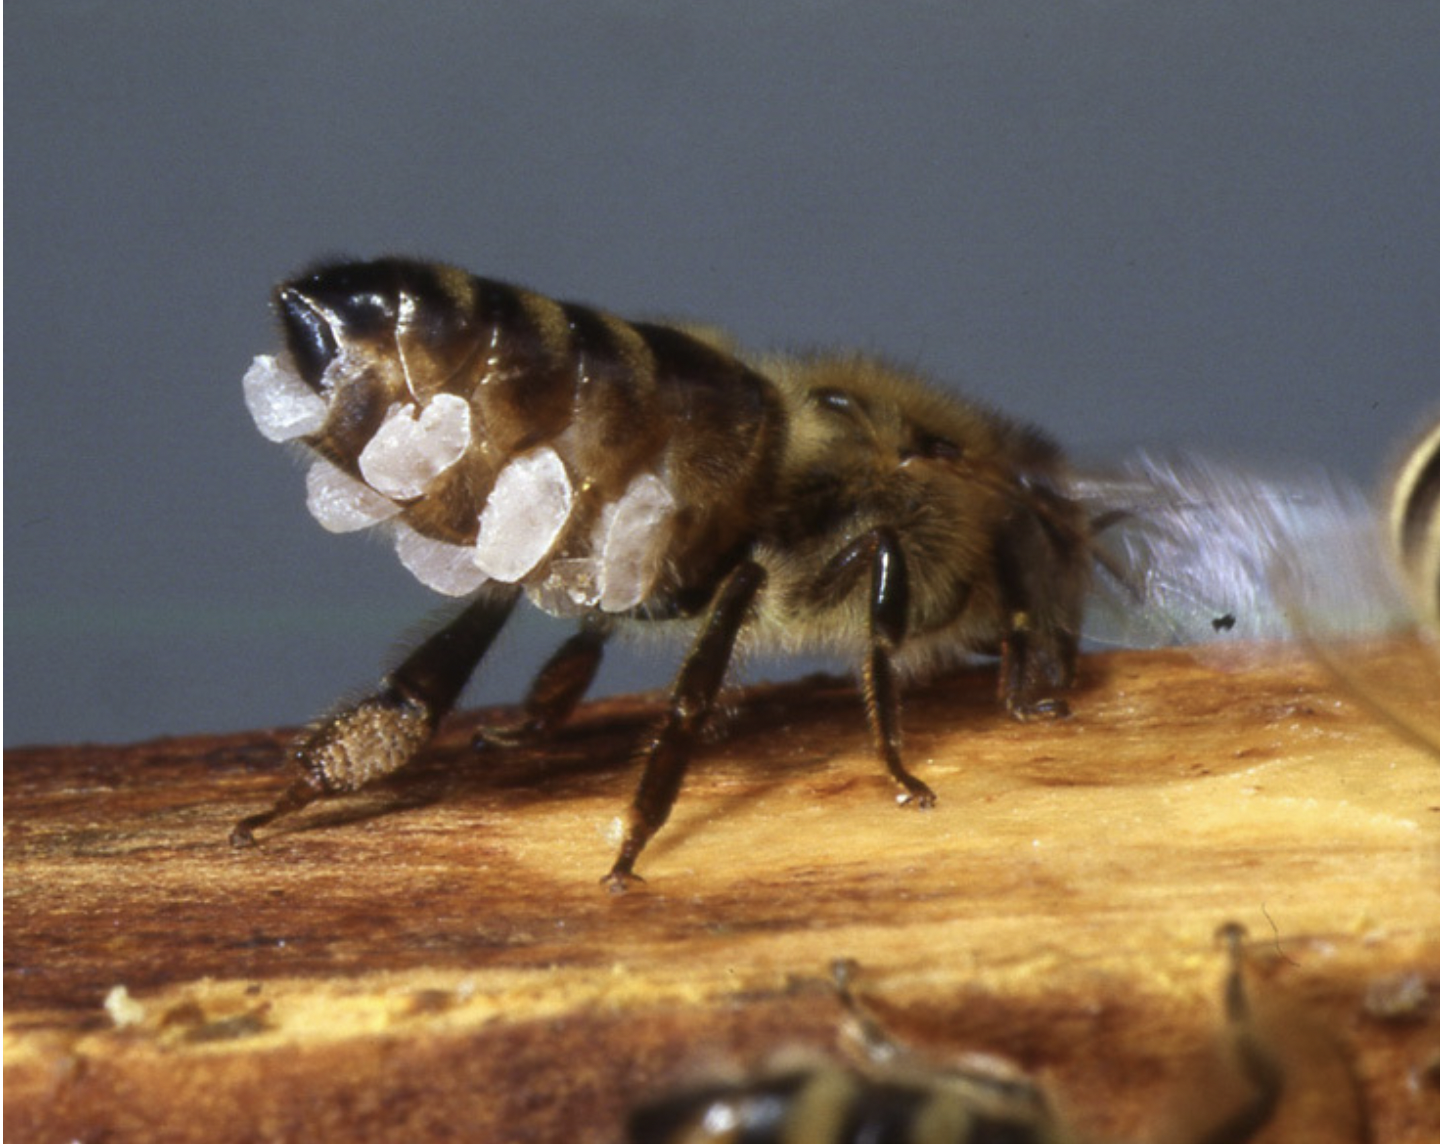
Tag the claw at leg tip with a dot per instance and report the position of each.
(618, 881)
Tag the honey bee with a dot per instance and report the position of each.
(635, 473)
(892, 1097)
(627, 472)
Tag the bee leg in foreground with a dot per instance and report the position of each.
(879, 553)
(385, 730)
(878, 1046)
(1257, 1064)
(556, 691)
(1026, 1111)
(691, 701)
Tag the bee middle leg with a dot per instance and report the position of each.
(556, 691)
(382, 732)
(692, 699)
(879, 553)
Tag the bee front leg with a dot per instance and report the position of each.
(692, 699)
(1027, 672)
(1042, 566)
(385, 730)
(557, 689)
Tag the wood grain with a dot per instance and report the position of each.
(436, 958)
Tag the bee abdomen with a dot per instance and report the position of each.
(831, 1106)
(506, 436)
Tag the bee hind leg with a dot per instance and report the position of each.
(377, 736)
(692, 699)
(556, 691)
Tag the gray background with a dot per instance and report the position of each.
(1212, 223)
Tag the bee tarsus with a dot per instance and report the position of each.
(558, 688)
(378, 735)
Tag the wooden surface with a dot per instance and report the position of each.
(436, 958)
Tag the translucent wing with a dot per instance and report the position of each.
(1191, 551)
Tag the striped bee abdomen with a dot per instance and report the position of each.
(505, 436)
